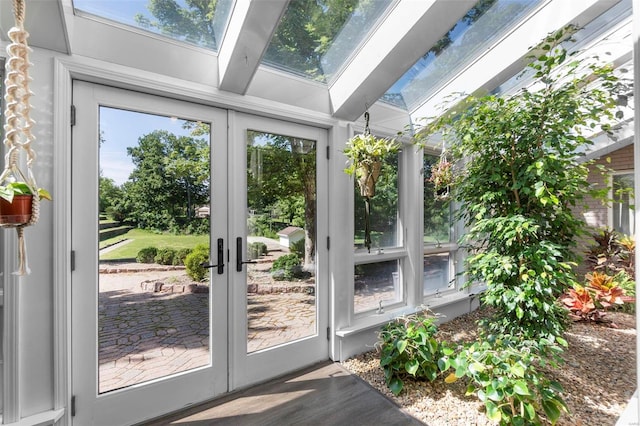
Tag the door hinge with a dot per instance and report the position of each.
(73, 406)
(73, 115)
(328, 151)
(328, 243)
(73, 260)
(328, 333)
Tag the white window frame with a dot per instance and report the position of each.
(610, 211)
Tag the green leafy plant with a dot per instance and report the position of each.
(195, 261)
(286, 267)
(364, 150)
(12, 189)
(146, 255)
(165, 256)
(521, 176)
(505, 378)
(257, 249)
(408, 347)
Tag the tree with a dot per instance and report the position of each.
(171, 174)
(193, 23)
(518, 179)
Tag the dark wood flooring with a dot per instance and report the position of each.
(325, 394)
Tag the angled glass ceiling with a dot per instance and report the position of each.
(315, 38)
(200, 23)
(472, 35)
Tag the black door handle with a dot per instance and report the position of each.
(239, 255)
(220, 263)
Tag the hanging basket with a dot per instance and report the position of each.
(16, 213)
(368, 174)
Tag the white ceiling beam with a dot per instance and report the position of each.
(508, 56)
(405, 35)
(43, 21)
(248, 34)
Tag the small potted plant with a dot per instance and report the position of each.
(366, 153)
(442, 177)
(16, 201)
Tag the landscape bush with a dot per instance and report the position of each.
(257, 249)
(164, 256)
(287, 268)
(195, 260)
(146, 255)
(180, 256)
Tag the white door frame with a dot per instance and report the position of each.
(247, 369)
(150, 399)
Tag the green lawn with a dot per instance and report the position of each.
(142, 238)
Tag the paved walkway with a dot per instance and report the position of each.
(145, 335)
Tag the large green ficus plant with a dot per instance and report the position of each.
(518, 179)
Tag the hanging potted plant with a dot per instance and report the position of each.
(366, 154)
(442, 178)
(16, 203)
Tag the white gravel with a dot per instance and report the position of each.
(598, 376)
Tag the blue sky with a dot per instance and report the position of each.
(121, 129)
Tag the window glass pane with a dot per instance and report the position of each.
(377, 285)
(436, 273)
(437, 214)
(201, 23)
(471, 36)
(623, 205)
(383, 210)
(314, 39)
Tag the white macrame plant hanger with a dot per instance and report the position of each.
(18, 136)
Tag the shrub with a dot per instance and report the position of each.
(298, 248)
(257, 249)
(147, 255)
(194, 260)
(408, 348)
(505, 379)
(165, 256)
(180, 256)
(286, 267)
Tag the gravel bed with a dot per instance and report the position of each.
(598, 376)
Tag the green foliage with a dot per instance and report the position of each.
(147, 255)
(257, 249)
(506, 379)
(287, 267)
(408, 347)
(165, 256)
(297, 247)
(194, 261)
(11, 189)
(170, 177)
(518, 177)
(180, 256)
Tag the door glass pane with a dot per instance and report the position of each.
(281, 226)
(154, 203)
(377, 285)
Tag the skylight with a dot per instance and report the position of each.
(314, 39)
(485, 23)
(197, 23)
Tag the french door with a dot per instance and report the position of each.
(158, 184)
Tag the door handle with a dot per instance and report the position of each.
(239, 255)
(220, 263)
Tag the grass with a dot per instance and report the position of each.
(142, 238)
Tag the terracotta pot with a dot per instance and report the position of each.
(16, 213)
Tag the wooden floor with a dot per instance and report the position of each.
(323, 395)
